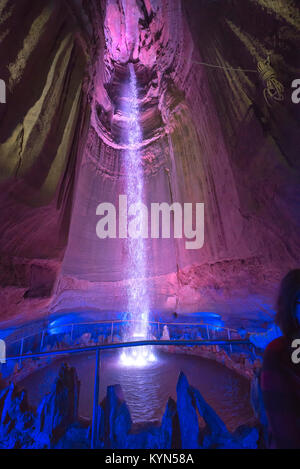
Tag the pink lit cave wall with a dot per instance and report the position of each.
(208, 136)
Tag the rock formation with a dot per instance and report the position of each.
(180, 427)
(56, 423)
(26, 428)
(59, 409)
(17, 419)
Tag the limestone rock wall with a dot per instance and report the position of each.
(44, 59)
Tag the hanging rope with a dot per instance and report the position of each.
(226, 68)
(274, 89)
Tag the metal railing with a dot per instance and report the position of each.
(99, 348)
(68, 335)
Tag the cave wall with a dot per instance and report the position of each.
(261, 140)
(44, 57)
(209, 136)
(219, 143)
(182, 163)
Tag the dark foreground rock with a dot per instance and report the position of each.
(181, 426)
(59, 409)
(17, 419)
(214, 433)
(24, 427)
(188, 424)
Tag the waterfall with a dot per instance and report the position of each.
(137, 294)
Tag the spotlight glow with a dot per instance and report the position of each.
(138, 357)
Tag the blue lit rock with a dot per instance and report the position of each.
(117, 420)
(57, 425)
(170, 430)
(246, 437)
(59, 409)
(76, 437)
(16, 419)
(188, 420)
(214, 425)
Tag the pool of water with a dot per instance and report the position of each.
(147, 390)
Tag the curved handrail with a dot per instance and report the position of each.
(122, 321)
(140, 343)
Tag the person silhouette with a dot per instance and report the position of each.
(280, 376)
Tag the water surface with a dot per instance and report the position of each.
(147, 390)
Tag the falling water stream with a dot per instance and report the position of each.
(138, 297)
